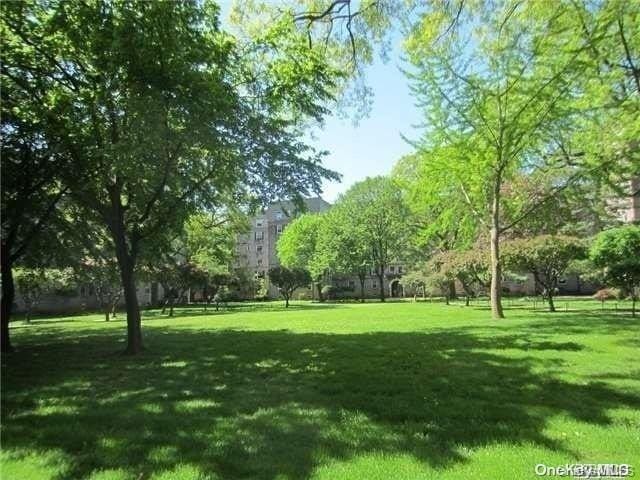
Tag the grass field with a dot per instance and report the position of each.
(341, 391)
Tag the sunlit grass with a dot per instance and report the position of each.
(348, 391)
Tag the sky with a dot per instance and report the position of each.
(374, 145)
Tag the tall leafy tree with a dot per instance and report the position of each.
(342, 247)
(155, 125)
(297, 247)
(497, 89)
(31, 186)
(377, 213)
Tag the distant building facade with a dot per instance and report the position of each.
(257, 253)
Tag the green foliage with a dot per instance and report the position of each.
(297, 246)
(506, 89)
(373, 215)
(617, 253)
(33, 283)
(149, 127)
(342, 245)
(470, 267)
(287, 280)
(547, 257)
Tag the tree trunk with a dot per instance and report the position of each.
(552, 307)
(381, 280)
(8, 294)
(496, 267)
(466, 300)
(106, 315)
(126, 264)
(633, 306)
(361, 278)
(171, 302)
(286, 301)
(452, 290)
(319, 287)
(134, 330)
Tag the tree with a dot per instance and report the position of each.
(547, 257)
(102, 275)
(31, 186)
(297, 247)
(208, 241)
(342, 247)
(288, 280)
(616, 252)
(33, 283)
(501, 104)
(469, 267)
(157, 125)
(417, 277)
(377, 217)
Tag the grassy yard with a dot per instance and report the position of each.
(342, 391)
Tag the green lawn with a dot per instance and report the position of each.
(342, 391)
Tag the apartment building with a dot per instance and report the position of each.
(256, 252)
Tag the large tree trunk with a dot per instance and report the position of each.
(496, 267)
(134, 329)
(319, 287)
(8, 294)
(126, 264)
(286, 301)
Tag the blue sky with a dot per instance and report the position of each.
(374, 145)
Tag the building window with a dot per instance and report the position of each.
(259, 249)
(392, 269)
(259, 235)
(259, 222)
(279, 229)
(352, 284)
(279, 216)
(374, 284)
(260, 262)
(400, 269)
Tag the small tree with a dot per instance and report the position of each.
(288, 280)
(104, 278)
(469, 267)
(617, 253)
(416, 278)
(297, 248)
(547, 257)
(33, 283)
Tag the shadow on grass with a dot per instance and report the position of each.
(274, 404)
(198, 310)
